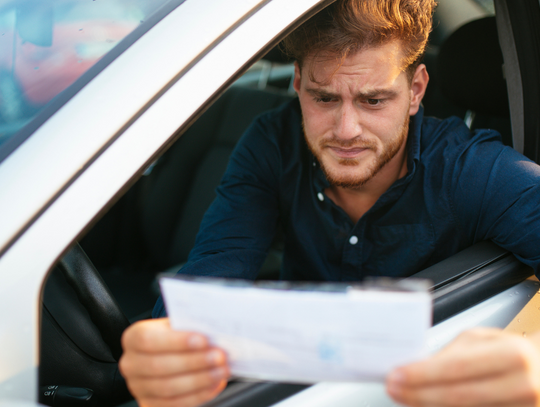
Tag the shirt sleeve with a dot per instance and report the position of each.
(496, 194)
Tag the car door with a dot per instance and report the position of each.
(68, 166)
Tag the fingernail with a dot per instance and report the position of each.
(196, 342)
(396, 377)
(219, 373)
(214, 357)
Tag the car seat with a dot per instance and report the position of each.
(182, 185)
(470, 71)
(153, 227)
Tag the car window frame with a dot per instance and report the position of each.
(69, 140)
(66, 217)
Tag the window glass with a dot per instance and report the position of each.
(487, 5)
(45, 45)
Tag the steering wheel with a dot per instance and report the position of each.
(81, 327)
(96, 297)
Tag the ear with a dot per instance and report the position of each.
(297, 79)
(418, 88)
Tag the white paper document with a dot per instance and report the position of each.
(303, 336)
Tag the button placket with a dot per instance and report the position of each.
(352, 253)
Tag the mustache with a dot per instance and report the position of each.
(357, 142)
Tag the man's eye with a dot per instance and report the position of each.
(324, 100)
(374, 102)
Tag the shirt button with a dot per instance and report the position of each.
(320, 196)
(353, 240)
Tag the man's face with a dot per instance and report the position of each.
(356, 115)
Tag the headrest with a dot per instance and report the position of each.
(470, 68)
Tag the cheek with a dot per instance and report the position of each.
(316, 121)
(389, 123)
(377, 126)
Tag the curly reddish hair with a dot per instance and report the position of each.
(348, 26)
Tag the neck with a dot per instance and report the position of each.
(357, 201)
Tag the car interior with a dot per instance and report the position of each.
(108, 279)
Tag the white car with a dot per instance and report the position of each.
(95, 94)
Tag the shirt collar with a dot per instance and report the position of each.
(413, 139)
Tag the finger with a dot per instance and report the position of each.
(189, 400)
(159, 365)
(176, 386)
(469, 357)
(156, 336)
(502, 390)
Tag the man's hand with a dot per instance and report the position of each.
(165, 368)
(482, 367)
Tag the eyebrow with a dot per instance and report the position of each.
(370, 94)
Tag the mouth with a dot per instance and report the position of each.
(351, 152)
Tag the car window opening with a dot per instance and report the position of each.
(152, 228)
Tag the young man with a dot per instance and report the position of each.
(362, 184)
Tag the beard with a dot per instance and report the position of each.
(369, 169)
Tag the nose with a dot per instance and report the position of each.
(347, 122)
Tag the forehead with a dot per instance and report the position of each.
(376, 64)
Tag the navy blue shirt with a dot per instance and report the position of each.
(461, 187)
